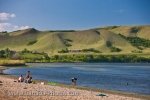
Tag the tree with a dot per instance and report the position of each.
(108, 44)
(2, 53)
(7, 52)
(25, 51)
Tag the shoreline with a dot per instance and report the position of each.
(97, 62)
(113, 92)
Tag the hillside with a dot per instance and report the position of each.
(139, 31)
(99, 40)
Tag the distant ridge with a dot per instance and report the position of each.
(53, 41)
(25, 31)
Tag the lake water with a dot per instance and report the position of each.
(123, 77)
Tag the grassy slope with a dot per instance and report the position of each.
(17, 40)
(142, 31)
(116, 40)
(52, 42)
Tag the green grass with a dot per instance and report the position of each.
(32, 42)
(53, 83)
(53, 41)
(8, 62)
(140, 31)
(31, 56)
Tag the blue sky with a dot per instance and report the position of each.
(72, 14)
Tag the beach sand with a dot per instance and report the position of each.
(10, 90)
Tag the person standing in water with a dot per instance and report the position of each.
(28, 77)
(74, 81)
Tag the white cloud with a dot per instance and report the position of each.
(5, 26)
(10, 27)
(16, 27)
(6, 16)
(23, 27)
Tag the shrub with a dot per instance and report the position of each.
(67, 42)
(137, 41)
(114, 49)
(137, 51)
(26, 51)
(108, 44)
(90, 50)
(32, 42)
(64, 51)
(134, 30)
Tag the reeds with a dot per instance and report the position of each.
(8, 62)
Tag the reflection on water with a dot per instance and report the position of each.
(124, 77)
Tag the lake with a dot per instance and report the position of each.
(119, 76)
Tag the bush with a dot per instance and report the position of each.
(113, 27)
(7, 53)
(114, 49)
(108, 44)
(137, 41)
(91, 50)
(134, 30)
(26, 51)
(32, 42)
(67, 42)
(136, 51)
(64, 51)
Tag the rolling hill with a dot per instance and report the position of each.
(100, 39)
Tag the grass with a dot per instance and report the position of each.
(53, 41)
(141, 31)
(32, 56)
(32, 42)
(7, 62)
(53, 83)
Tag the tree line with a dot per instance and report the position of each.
(30, 56)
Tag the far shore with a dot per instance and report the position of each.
(112, 92)
(10, 62)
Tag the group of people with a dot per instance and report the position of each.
(27, 79)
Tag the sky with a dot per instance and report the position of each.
(72, 14)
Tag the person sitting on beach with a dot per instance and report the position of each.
(21, 79)
(28, 78)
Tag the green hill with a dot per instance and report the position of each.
(139, 31)
(106, 40)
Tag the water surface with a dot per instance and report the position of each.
(123, 77)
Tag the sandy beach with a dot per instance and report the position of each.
(10, 90)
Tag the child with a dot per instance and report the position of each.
(21, 79)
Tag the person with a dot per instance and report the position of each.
(29, 80)
(28, 77)
(74, 81)
(20, 79)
